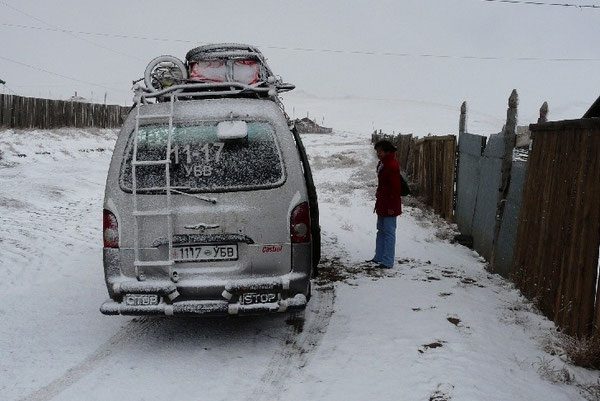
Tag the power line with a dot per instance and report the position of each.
(12, 91)
(539, 3)
(70, 33)
(110, 35)
(58, 75)
(322, 50)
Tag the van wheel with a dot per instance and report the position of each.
(309, 292)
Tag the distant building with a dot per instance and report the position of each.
(79, 99)
(308, 126)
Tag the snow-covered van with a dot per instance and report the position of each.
(209, 205)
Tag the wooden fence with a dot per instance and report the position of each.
(27, 112)
(435, 168)
(556, 255)
(430, 164)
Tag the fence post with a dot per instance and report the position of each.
(543, 113)
(510, 139)
(462, 125)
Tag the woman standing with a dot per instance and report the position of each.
(388, 205)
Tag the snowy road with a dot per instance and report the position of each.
(438, 327)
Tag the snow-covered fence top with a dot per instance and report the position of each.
(28, 112)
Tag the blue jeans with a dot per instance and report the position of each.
(385, 245)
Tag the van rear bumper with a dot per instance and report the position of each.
(230, 292)
(208, 308)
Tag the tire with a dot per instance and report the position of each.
(148, 79)
(191, 55)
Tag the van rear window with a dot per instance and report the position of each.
(200, 162)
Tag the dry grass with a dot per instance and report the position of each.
(553, 374)
(591, 392)
(582, 352)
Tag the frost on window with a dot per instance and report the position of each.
(200, 162)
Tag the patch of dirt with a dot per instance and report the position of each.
(331, 270)
(471, 281)
(421, 309)
(444, 294)
(433, 345)
(454, 320)
(296, 321)
(442, 393)
(449, 274)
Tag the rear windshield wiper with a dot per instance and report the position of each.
(202, 198)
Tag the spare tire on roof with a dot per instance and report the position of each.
(207, 51)
(165, 71)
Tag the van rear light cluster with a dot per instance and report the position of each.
(111, 230)
(300, 224)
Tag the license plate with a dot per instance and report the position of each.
(205, 253)
(251, 298)
(141, 299)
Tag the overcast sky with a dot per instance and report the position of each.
(468, 31)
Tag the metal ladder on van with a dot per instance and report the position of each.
(167, 211)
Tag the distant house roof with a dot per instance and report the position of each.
(594, 111)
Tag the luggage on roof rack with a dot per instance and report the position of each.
(216, 70)
(227, 62)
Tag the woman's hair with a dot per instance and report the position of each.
(385, 145)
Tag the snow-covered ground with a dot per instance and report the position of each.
(437, 327)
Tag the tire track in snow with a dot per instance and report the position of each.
(92, 361)
(298, 345)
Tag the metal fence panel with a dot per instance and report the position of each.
(504, 246)
(488, 195)
(470, 149)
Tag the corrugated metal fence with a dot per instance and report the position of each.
(28, 112)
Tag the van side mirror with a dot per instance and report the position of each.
(228, 130)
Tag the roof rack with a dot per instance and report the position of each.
(211, 71)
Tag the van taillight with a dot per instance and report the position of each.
(111, 230)
(300, 224)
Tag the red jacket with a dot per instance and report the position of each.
(388, 201)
